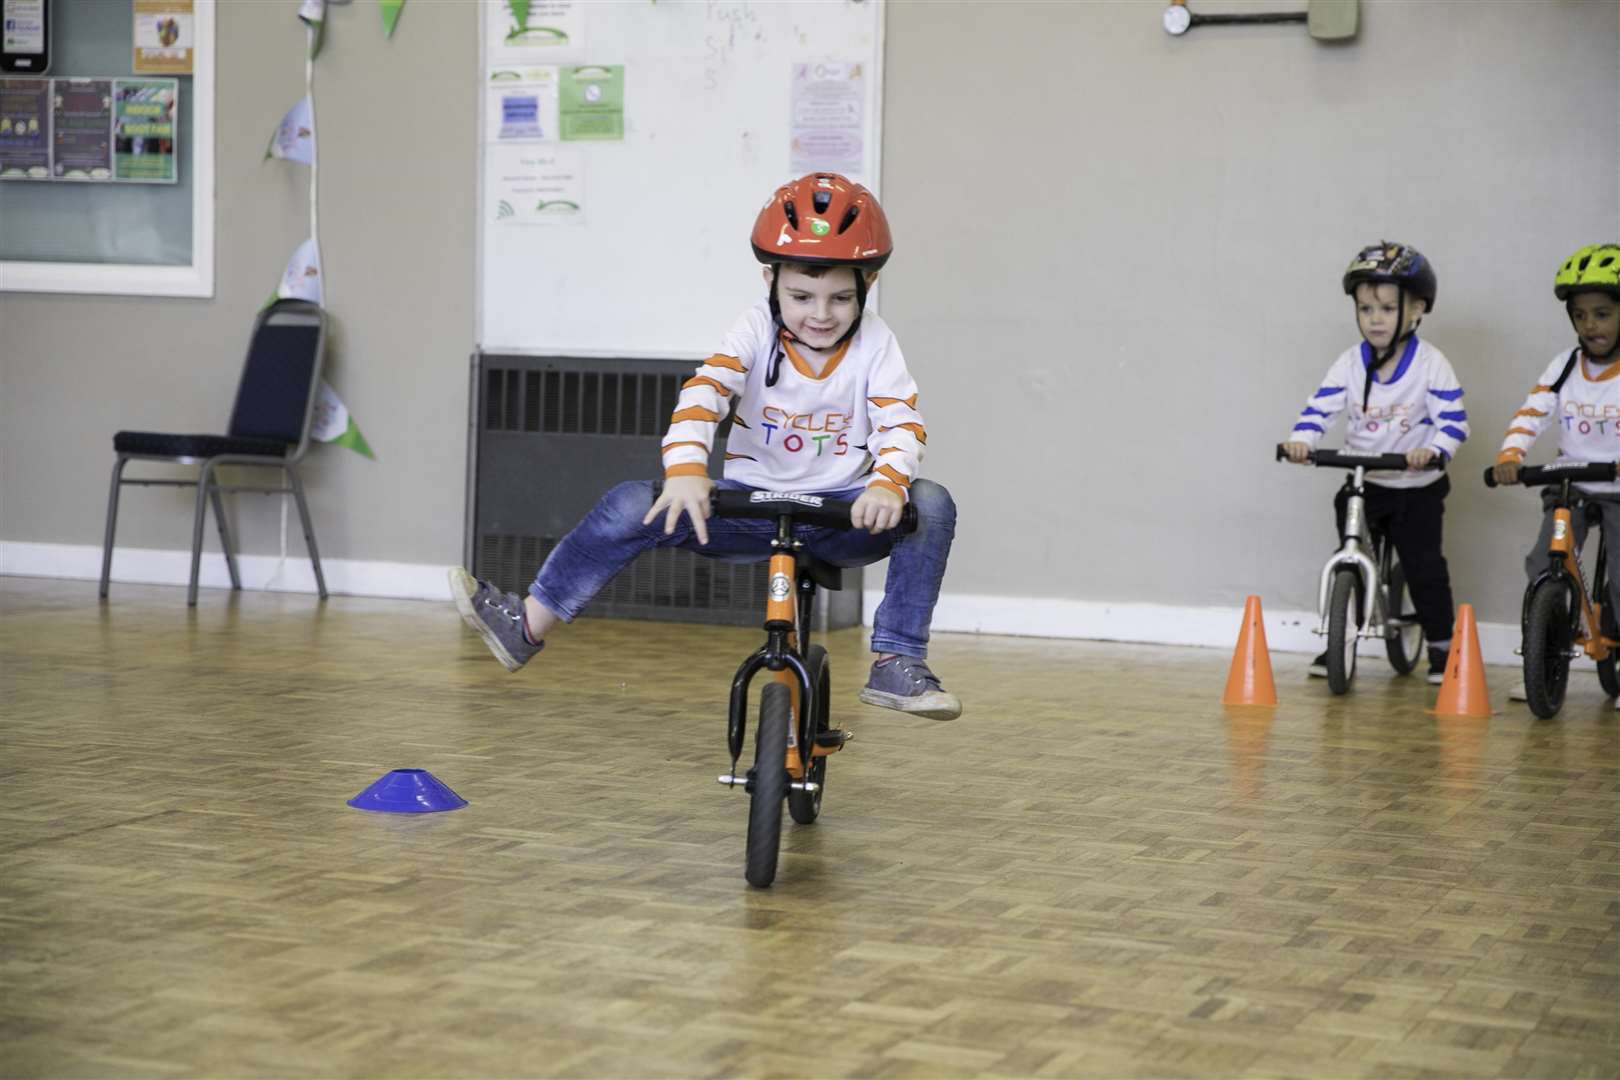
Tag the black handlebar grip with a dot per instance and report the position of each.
(1490, 476)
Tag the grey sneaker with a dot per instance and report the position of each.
(905, 683)
(1318, 668)
(497, 616)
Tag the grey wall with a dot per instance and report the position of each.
(1116, 277)
(397, 126)
(1118, 258)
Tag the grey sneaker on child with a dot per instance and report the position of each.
(1318, 668)
(497, 616)
(906, 684)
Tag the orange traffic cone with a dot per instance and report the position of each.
(1249, 681)
(1463, 692)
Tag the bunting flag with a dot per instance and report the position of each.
(390, 14)
(313, 14)
(294, 140)
(520, 17)
(302, 278)
(333, 424)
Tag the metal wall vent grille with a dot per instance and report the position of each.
(579, 402)
(660, 583)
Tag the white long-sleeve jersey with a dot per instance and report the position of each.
(1420, 406)
(855, 424)
(1585, 410)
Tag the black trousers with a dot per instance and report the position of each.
(1411, 518)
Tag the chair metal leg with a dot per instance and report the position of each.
(309, 529)
(205, 484)
(112, 523)
(225, 538)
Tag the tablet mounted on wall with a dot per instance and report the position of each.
(25, 37)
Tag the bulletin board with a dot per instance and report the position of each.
(625, 149)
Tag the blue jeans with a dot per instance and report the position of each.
(612, 534)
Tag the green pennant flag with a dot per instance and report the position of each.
(334, 424)
(390, 14)
(520, 17)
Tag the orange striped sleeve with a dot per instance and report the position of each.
(890, 450)
(915, 429)
(701, 446)
(730, 363)
(1512, 455)
(696, 412)
(1531, 412)
(1540, 388)
(1519, 431)
(704, 380)
(883, 402)
(900, 478)
(685, 470)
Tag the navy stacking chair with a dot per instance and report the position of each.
(275, 404)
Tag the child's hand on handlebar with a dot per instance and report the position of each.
(1506, 472)
(876, 510)
(1299, 453)
(687, 495)
(1419, 458)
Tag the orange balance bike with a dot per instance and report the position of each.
(794, 736)
(1562, 618)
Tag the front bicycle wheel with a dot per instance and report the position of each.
(770, 785)
(1344, 620)
(1607, 675)
(1546, 648)
(805, 806)
(1403, 634)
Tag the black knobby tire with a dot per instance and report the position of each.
(1403, 637)
(1546, 648)
(1344, 619)
(806, 805)
(770, 785)
(1607, 675)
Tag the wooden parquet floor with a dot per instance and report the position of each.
(1095, 872)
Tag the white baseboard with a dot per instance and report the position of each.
(1019, 616)
(1155, 624)
(145, 566)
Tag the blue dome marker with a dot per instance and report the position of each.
(408, 791)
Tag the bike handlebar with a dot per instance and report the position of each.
(1352, 459)
(811, 509)
(1557, 473)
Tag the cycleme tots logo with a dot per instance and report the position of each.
(781, 587)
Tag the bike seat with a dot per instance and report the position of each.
(823, 573)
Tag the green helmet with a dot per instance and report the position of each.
(1594, 268)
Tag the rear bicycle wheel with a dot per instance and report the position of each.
(1403, 634)
(805, 806)
(1607, 675)
(1344, 620)
(1547, 639)
(770, 786)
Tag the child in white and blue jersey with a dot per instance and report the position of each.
(1399, 395)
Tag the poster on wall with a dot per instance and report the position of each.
(81, 129)
(522, 105)
(534, 31)
(146, 130)
(534, 184)
(590, 102)
(828, 118)
(163, 38)
(25, 120)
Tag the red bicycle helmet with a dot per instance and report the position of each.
(823, 219)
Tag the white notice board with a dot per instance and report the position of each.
(637, 245)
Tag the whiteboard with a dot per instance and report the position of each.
(655, 262)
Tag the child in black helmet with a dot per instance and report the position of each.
(1399, 395)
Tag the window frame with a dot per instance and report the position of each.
(132, 279)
